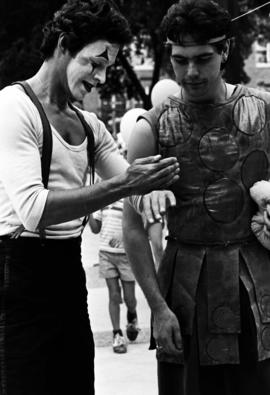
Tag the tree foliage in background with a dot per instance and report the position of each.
(145, 17)
(245, 31)
(20, 37)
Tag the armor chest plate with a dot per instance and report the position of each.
(222, 151)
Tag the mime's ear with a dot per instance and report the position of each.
(61, 44)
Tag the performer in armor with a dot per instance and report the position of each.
(211, 301)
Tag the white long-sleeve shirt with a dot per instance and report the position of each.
(22, 193)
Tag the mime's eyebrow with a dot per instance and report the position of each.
(104, 54)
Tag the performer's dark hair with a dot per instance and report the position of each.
(83, 22)
(201, 19)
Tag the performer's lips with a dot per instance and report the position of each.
(195, 84)
(87, 85)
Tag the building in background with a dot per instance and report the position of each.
(257, 65)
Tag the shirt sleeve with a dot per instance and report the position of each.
(20, 160)
(108, 160)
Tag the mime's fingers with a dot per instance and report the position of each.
(147, 160)
(168, 175)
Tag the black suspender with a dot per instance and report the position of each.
(90, 142)
(46, 154)
(47, 133)
(90, 150)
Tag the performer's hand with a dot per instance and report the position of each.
(150, 173)
(155, 204)
(167, 332)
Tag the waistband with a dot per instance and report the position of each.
(38, 240)
(213, 243)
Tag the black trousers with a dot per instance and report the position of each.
(250, 377)
(46, 343)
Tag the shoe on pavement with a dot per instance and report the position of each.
(132, 330)
(119, 344)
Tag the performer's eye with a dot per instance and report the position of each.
(178, 60)
(94, 66)
(204, 59)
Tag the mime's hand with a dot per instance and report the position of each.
(150, 173)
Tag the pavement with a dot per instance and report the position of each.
(133, 373)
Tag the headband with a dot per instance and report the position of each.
(191, 43)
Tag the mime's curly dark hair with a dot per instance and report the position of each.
(201, 19)
(82, 22)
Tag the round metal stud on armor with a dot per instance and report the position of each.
(223, 317)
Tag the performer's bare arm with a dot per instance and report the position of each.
(143, 143)
(166, 327)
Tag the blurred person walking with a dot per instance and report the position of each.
(116, 270)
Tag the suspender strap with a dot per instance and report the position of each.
(90, 150)
(47, 133)
(90, 143)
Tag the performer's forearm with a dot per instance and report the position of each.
(64, 206)
(140, 256)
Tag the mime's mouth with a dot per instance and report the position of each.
(87, 85)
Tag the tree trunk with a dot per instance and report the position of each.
(135, 80)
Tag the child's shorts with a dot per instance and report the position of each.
(114, 265)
